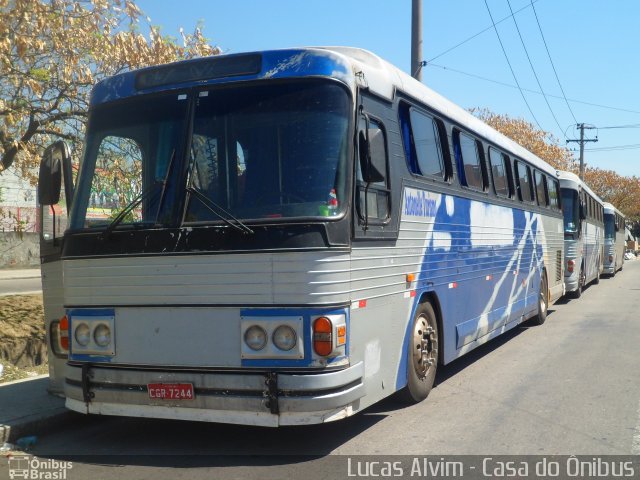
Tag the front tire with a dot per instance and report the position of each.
(422, 354)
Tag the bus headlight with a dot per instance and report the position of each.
(102, 335)
(83, 334)
(255, 337)
(284, 337)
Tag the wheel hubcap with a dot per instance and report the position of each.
(425, 346)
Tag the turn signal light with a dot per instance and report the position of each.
(342, 335)
(63, 333)
(570, 265)
(322, 336)
(610, 258)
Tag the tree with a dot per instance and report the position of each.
(53, 51)
(623, 192)
(538, 142)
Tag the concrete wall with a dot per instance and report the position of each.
(19, 249)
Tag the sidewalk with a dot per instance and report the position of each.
(26, 408)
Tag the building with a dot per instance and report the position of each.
(18, 212)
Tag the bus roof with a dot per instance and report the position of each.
(353, 66)
(609, 208)
(571, 180)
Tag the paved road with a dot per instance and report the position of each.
(571, 386)
(13, 281)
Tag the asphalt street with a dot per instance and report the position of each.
(20, 281)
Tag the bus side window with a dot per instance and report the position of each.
(500, 173)
(553, 193)
(469, 161)
(541, 188)
(373, 198)
(523, 178)
(425, 144)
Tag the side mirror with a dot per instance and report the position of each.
(583, 211)
(56, 162)
(373, 153)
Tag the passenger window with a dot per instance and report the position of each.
(426, 141)
(499, 172)
(553, 194)
(524, 182)
(541, 190)
(469, 161)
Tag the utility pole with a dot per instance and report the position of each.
(582, 141)
(416, 40)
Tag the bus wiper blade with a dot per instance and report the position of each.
(225, 216)
(137, 200)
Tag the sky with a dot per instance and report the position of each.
(584, 51)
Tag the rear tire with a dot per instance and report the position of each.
(422, 361)
(543, 302)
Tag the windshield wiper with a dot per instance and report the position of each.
(137, 200)
(225, 216)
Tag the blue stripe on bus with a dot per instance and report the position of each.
(461, 308)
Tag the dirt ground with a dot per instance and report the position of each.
(22, 337)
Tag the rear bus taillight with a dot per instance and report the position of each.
(570, 265)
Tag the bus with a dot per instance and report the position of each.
(614, 239)
(285, 237)
(583, 233)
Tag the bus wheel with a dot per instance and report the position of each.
(423, 355)
(543, 301)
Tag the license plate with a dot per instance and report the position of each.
(171, 391)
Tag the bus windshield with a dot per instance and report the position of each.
(269, 152)
(129, 148)
(609, 226)
(571, 210)
(258, 152)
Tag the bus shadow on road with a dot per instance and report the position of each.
(151, 442)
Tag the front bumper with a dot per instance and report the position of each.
(253, 398)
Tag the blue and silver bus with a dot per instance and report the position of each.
(614, 241)
(285, 237)
(583, 233)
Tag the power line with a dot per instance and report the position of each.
(510, 67)
(533, 69)
(634, 125)
(479, 33)
(504, 84)
(552, 64)
(632, 146)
